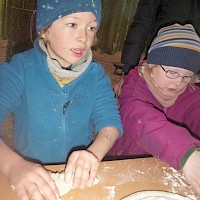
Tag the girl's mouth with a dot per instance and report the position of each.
(171, 89)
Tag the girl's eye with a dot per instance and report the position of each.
(92, 28)
(72, 25)
(172, 72)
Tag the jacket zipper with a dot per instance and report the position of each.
(64, 128)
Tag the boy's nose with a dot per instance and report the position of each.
(82, 36)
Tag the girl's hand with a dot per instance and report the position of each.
(118, 87)
(83, 165)
(32, 180)
(191, 170)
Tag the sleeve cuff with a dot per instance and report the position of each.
(187, 155)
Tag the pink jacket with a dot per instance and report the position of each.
(149, 128)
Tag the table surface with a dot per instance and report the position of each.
(120, 178)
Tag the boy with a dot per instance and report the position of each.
(59, 96)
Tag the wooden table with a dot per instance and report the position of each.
(121, 178)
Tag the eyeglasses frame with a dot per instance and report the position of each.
(178, 75)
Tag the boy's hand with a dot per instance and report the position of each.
(83, 165)
(191, 170)
(32, 180)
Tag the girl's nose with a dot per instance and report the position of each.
(178, 81)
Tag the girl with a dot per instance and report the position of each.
(59, 98)
(159, 103)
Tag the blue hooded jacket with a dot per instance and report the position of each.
(51, 121)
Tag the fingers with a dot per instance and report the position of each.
(191, 170)
(117, 88)
(35, 192)
(48, 189)
(35, 182)
(117, 91)
(47, 184)
(32, 190)
(70, 167)
(196, 185)
(82, 174)
(84, 165)
(194, 181)
(21, 193)
(93, 174)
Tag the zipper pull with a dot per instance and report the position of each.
(65, 107)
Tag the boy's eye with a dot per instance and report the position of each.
(92, 28)
(72, 25)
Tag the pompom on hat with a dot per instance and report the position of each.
(49, 11)
(177, 46)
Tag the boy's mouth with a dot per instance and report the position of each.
(78, 51)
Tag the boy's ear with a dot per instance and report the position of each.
(42, 34)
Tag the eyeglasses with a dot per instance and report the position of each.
(174, 75)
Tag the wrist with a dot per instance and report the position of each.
(11, 165)
(91, 152)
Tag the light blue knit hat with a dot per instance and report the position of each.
(177, 46)
(49, 11)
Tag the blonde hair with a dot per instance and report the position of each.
(197, 78)
(142, 69)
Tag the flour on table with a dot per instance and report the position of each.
(64, 187)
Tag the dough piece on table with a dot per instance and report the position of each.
(60, 183)
(64, 187)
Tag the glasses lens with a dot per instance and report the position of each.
(172, 74)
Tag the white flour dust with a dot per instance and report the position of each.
(110, 192)
(168, 177)
(177, 180)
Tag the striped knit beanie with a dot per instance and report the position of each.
(177, 46)
(49, 11)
